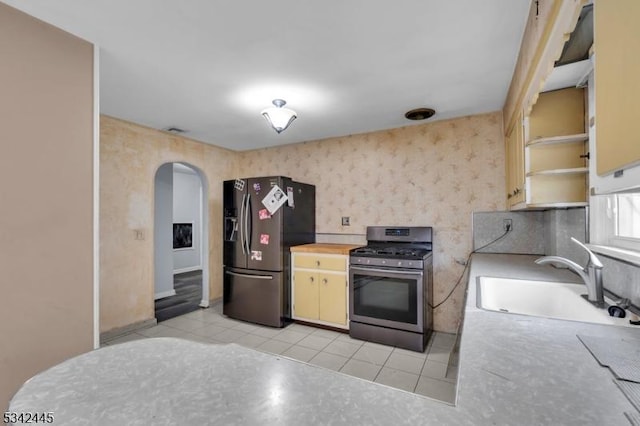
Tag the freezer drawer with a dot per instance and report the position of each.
(254, 296)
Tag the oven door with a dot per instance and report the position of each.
(387, 297)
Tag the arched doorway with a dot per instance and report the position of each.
(181, 240)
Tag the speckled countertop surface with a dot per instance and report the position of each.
(514, 370)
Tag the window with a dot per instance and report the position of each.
(615, 225)
(628, 224)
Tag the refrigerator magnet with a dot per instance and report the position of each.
(239, 184)
(263, 214)
(290, 197)
(256, 255)
(264, 239)
(274, 199)
(256, 187)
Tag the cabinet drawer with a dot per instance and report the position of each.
(338, 263)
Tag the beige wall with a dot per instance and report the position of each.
(129, 158)
(46, 197)
(431, 175)
(434, 174)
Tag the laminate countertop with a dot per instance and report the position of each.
(514, 370)
(325, 248)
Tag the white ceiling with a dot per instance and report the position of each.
(345, 66)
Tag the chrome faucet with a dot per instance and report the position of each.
(590, 274)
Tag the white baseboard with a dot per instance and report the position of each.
(189, 269)
(164, 294)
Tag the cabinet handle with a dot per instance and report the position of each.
(324, 281)
(317, 263)
(311, 279)
(587, 156)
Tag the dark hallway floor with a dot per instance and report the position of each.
(188, 295)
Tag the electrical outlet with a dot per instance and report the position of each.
(507, 224)
(345, 221)
(139, 234)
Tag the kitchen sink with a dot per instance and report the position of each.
(542, 299)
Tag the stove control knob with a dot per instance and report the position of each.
(384, 262)
(399, 263)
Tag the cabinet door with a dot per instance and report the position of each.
(617, 67)
(514, 160)
(333, 298)
(305, 302)
(518, 159)
(509, 167)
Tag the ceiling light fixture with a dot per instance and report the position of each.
(278, 117)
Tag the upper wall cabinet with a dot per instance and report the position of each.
(514, 156)
(556, 150)
(546, 140)
(617, 84)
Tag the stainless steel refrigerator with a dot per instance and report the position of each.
(263, 218)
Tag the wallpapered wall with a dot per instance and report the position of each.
(129, 158)
(434, 174)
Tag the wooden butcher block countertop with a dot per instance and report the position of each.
(325, 248)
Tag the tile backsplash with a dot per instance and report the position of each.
(621, 278)
(560, 226)
(533, 232)
(526, 237)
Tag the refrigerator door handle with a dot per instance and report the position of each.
(246, 225)
(241, 228)
(257, 277)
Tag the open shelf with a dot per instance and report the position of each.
(557, 205)
(552, 140)
(576, 170)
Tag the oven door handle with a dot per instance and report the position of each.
(386, 271)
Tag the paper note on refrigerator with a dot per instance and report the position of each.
(274, 199)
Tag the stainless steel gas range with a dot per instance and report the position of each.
(391, 287)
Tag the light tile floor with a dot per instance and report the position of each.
(426, 374)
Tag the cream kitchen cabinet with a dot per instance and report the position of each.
(514, 160)
(552, 161)
(556, 150)
(320, 277)
(617, 66)
(547, 153)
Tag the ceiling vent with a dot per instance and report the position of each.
(420, 114)
(176, 130)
